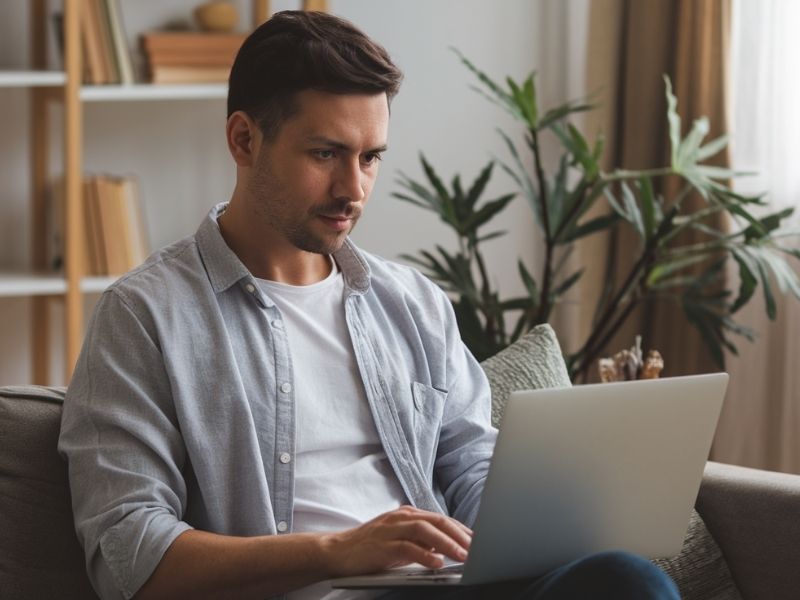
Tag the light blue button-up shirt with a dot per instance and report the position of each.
(181, 404)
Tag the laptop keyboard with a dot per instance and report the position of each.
(454, 569)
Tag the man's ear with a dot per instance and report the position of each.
(244, 138)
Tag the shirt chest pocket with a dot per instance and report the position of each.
(428, 410)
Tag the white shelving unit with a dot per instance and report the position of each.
(19, 284)
(45, 86)
(143, 91)
(27, 79)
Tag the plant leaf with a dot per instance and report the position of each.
(713, 147)
(487, 211)
(477, 187)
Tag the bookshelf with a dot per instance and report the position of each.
(45, 86)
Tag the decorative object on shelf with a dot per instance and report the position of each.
(627, 365)
(565, 206)
(217, 16)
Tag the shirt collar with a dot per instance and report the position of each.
(225, 269)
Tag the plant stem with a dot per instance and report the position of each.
(547, 268)
(588, 359)
(540, 178)
(591, 347)
(491, 325)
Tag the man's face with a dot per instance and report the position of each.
(312, 181)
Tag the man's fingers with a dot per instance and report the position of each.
(454, 529)
(426, 535)
(414, 553)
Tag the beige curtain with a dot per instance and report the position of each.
(632, 43)
(761, 416)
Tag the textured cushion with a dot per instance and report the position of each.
(39, 552)
(700, 569)
(534, 361)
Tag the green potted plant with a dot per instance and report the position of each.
(563, 201)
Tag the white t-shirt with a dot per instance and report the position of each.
(341, 473)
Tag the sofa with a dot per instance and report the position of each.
(743, 539)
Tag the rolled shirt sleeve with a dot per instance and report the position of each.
(125, 455)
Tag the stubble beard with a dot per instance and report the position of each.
(275, 207)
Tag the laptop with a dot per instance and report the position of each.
(585, 469)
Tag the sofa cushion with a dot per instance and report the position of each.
(39, 552)
(532, 362)
(700, 570)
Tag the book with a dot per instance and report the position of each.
(184, 58)
(120, 42)
(112, 214)
(99, 219)
(90, 45)
(191, 74)
(110, 64)
(192, 41)
(140, 241)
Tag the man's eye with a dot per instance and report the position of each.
(324, 154)
(371, 158)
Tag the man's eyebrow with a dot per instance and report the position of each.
(326, 141)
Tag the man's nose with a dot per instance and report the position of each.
(349, 181)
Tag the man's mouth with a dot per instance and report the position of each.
(336, 222)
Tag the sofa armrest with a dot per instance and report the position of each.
(754, 516)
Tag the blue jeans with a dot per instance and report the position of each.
(603, 576)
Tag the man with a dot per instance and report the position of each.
(263, 406)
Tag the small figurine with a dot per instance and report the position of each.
(628, 365)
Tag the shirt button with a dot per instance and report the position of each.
(277, 324)
(285, 457)
(250, 288)
(283, 526)
(286, 388)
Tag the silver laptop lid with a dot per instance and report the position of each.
(614, 466)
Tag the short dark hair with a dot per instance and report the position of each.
(298, 50)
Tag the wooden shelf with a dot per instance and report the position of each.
(149, 91)
(97, 285)
(16, 284)
(25, 79)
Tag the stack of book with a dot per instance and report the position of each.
(106, 54)
(115, 235)
(189, 56)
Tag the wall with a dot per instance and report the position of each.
(177, 148)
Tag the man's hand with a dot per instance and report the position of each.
(400, 537)
(200, 564)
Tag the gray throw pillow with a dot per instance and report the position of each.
(532, 362)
